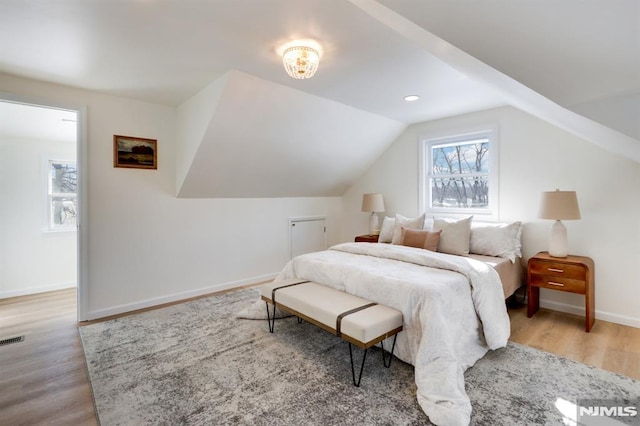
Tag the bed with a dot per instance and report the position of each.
(453, 307)
(511, 273)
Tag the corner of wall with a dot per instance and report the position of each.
(193, 119)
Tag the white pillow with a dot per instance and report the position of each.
(386, 232)
(455, 235)
(405, 222)
(496, 239)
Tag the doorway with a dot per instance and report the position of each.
(41, 178)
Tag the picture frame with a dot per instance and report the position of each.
(135, 153)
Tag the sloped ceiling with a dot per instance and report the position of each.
(511, 90)
(287, 143)
(537, 55)
(570, 51)
(167, 51)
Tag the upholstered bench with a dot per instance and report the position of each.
(354, 319)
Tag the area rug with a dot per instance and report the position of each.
(197, 364)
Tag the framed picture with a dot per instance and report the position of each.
(136, 153)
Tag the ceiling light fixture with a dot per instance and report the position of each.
(411, 98)
(300, 60)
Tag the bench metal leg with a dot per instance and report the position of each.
(271, 319)
(387, 363)
(353, 372)
(384, 359)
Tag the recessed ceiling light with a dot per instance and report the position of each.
(411, 98)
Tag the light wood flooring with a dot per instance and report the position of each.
(43, 380)
(609, 346)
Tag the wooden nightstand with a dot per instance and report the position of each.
(574, 274)
(367, 238)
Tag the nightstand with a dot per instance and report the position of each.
(573, 274)
(367, 238)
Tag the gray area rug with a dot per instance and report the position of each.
(195, 363)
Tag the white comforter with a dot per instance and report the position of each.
(453, 309)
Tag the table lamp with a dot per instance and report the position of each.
(559, 205)
(373, 203)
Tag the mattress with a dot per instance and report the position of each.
(511, 273)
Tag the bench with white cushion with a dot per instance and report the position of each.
(354, 319)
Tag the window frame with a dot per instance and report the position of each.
(51, 196)
(425, 142)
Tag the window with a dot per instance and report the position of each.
(62, 195)
(459, 173)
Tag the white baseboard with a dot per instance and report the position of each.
(600, 315)
(176, 297)
(36, 290)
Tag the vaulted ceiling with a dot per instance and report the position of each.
(283, 146)
(318, 135)
(571, 51)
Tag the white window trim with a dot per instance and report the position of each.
(424, 154)
(50, 227)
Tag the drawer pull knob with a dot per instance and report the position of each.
(556, 284)
(556, 270)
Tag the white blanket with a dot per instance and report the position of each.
(453, 310)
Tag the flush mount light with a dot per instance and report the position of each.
(411, 98)
(301, 58)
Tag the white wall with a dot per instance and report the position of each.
(145, 245)
(621, 112)
(32, 260)
(535, 157)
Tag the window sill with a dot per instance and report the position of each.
(459, 212)
(53, 232)
(481, 215)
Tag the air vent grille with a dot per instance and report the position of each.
(12, 340)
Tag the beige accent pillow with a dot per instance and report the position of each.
(427, 240)
(410, 223)
(455, 235)
(496, 239)
(386, 231)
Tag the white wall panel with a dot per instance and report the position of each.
(32, 260)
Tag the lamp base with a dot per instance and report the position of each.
(374, 224)
(558, 243)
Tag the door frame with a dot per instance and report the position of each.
(81, 164)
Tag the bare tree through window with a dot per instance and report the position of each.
(459, 175)
(63, 199)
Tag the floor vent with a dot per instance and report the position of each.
(12, 340)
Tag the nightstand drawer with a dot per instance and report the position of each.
(556, 269)
(558, 283)
(366, 239)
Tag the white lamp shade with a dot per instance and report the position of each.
(372, 203)
(559, 205)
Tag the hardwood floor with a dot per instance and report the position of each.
(43, 380)
(609, 346)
